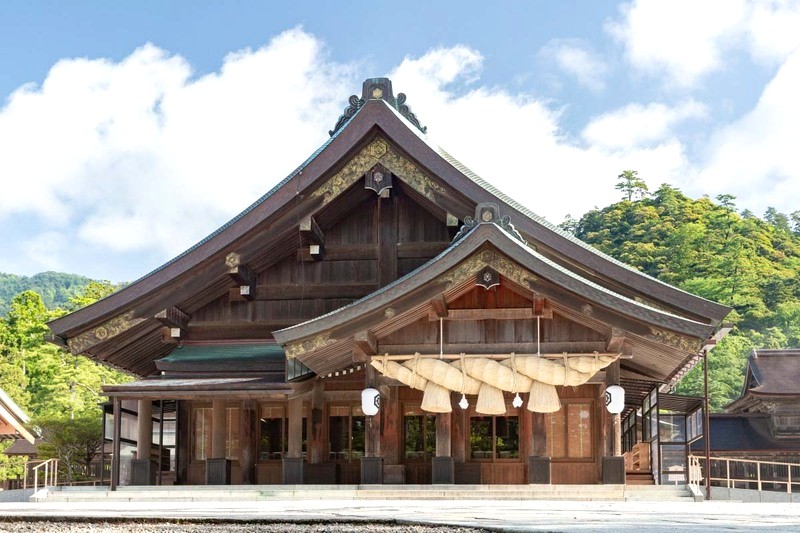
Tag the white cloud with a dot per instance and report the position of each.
(755, 157)
(138, 155)
(639, 125)
(573, 58)
(686, 40)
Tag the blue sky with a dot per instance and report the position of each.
(123, 124)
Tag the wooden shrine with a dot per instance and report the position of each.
(382, 275)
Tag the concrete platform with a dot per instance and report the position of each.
(496, 515)
(368, 492)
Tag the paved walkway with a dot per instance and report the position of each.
(552, 516)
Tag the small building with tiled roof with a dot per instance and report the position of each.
(13, 420)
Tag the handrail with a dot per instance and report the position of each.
(50, 473)
(748, 472)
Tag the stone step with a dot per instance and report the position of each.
(374, 492)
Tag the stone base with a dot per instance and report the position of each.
(394, 474)
(321, 474)
(614, 470)
(143, 472)
(372, 470)
(539, 470)
(442, 471)
(293, 470)
(218, 472)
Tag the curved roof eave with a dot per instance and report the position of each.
(517, 251)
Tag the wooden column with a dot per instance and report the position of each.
(372, 442)
(458, 444)
(391, 424)
(144, 427)
(247, 436)
(218, 429)
(183, 435)
(316, 441)
(539, 438)
(526, 422)
(295, 416)
(443, 469)
(613, 421)
(116, 443)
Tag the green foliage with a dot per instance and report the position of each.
(708, 249)
(60, 391)
(631, 185)
(11, 467)
(55, 288)
(73, 441)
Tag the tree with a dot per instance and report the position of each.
(631, 185)
(74, 442)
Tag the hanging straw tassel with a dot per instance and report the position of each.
(490, 401)
(543, 398)
(436, 399)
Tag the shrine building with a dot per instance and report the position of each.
(384, 315)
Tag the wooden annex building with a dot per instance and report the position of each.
(383, 271)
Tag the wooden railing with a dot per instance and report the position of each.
(50, 469)
(734, 473)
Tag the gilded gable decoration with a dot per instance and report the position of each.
(377, 89)
(103, 332)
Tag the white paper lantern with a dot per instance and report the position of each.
(370, 401)
(615, 399)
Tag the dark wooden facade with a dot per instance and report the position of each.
(381, 243)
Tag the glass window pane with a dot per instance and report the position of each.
(339, 438)
(507, 428)
(653, 423)
(480, 437)
(430, 435)
(673, 464)
(414, 431)
(270, 447)
(672, 428)
(359, 433)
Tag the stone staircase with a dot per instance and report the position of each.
(369, 492)
(637, 477)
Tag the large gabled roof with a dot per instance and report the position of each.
(323, 344)
(201, 273)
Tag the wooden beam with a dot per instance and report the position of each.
(172, 317)
(366, 342)
(386, 214)
(245, 278)
(619, 342)
(502, 313)
(308, 291)
(502, 347)
(420, 250)
(310, 232)
(347, 252)
(439, 306)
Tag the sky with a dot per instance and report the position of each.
(131, 130)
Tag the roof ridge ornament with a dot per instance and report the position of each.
(488, 213)
(377, 89)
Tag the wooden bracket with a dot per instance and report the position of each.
(366, 344)
(246, 279)
(620, 343)
(452, 225)
(439, 307)
(311, 235)
(176, 324)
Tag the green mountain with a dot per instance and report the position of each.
(55, 288)
(710, 249)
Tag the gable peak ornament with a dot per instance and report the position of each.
(377, 89)
(488, 213)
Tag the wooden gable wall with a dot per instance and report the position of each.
(369, 242)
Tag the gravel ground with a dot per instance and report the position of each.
(25, 526)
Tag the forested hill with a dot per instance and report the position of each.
(55, 288)
(711, 249)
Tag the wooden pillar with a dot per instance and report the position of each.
(613, 421)
(295, 416)
(183, 418)
(316, 451)
(218, 420)
(442, 466)
(458, 444)
(390, 425)
(116, 443)
(539, 437)
(526, 422)
(144, 426)
(372, 441)
(247, 436)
